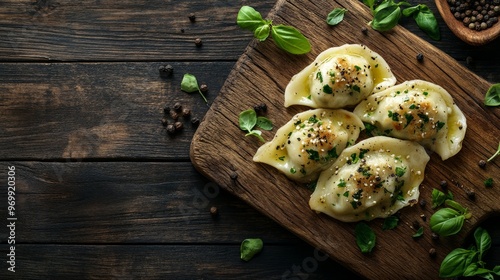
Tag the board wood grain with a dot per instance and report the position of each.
(221, 152)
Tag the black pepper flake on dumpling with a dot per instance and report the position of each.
(339, 77)
(372, 179)
(310, 142)
(419, 111)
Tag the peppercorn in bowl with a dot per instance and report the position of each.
(473, 21)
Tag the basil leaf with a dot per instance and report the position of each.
(456, 262)
(290, 39)
(496, 270)
(262, 32)
(336, 16)
(447, 222)
(248, 18)
(264, 123)
(455, 205)
(492, 97)
(365, 237)
(386, 18)
(247, 120)
(426, 21)
(473, 269)
(369, 3)
(483, 241)
(419, 233)
(438, 197)
(411, 11)
(250, 247)
(189, 83)
(390, 222)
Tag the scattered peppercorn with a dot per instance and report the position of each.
(434, 236)
(420, 57)
(166, 70)
(469, 60)
(443, 184)
(204, 88)
(195, 121)
(416, 224)
(432, 252)
(424, 217)
(186, 112)
(233, 175)
(164, 121)
(166, 110)
(170, 129)
(260, 108)
(214, 212)
(178, 107)
(198, 42)
(423, 202)
(471, 194)
(192, 17)
(174, 115)
(364, 30)
(178, 126)
(482, 164)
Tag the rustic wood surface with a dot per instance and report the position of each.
(102, 191)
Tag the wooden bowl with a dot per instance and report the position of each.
(472, 37)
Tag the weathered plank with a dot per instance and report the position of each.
(120, 31)
(128, 203)
(287, 203)
(99, 110)
(40, 261)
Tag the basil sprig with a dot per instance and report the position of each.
(365, 237)
(335, 16)
(439, 197)
(450, 220)
(492, 97)
(386, 15)
(285, 37)
(469, 262)
(248, 120)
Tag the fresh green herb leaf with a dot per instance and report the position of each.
(247, 120)
(248, 18)
(290, 39)
(495, 154)
(439, 197)
(365, 237)
(369, 3)
(455, 205)
(250, 247)
(488, 182)
(492, 97)
(256, 133)
(190, 84)
(327, 89)
(456, 262)
(386, 18)
(400, 171)
(262, 32)
(483, 241)
(264, 123)
(341, 183)
(390, 222)
(293, 170)
(286, 37)
(419, 232)
(425, 20)
(447, 221)
(336, 16)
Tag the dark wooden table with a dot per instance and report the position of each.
(102, 191)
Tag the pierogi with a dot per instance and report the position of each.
(339, 77)
(419, 111)
(372, 179)
(310, 142)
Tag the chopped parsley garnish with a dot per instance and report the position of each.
(413, 106)
(362, 152)
(293, 171)
(313, 119)
(393, 115)
(296, 123)
(424, 117)
(346, 194)
(282, 158)
(319, 76)
(357, 67)
(333, 153)
(425, 93)
(400, 171)
(354, 158)
(342, 183)
(356, 88)
(440, 125)
(327, 89)
(409, 118)
(313, 154)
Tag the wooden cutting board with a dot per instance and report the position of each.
(221, 152)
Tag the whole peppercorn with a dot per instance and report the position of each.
(471, 194)
(178, 107)
(204, 88)
(260, 108)
(166, 110)
(443, 184)
(198, 42)
(195, 121)
(164, 121)
(434, 236)
(423, 202)
(174, 115)
(214, 212)
(364, 30)
(420, 57)
(170, 129)
(166, 70)
(186, 112)
(432, 252)
(482, 164)
(192, 17)
(178, 126)
(416, 224)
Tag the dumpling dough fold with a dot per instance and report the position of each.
(310, 142)
(372, 179)
(339, 77)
